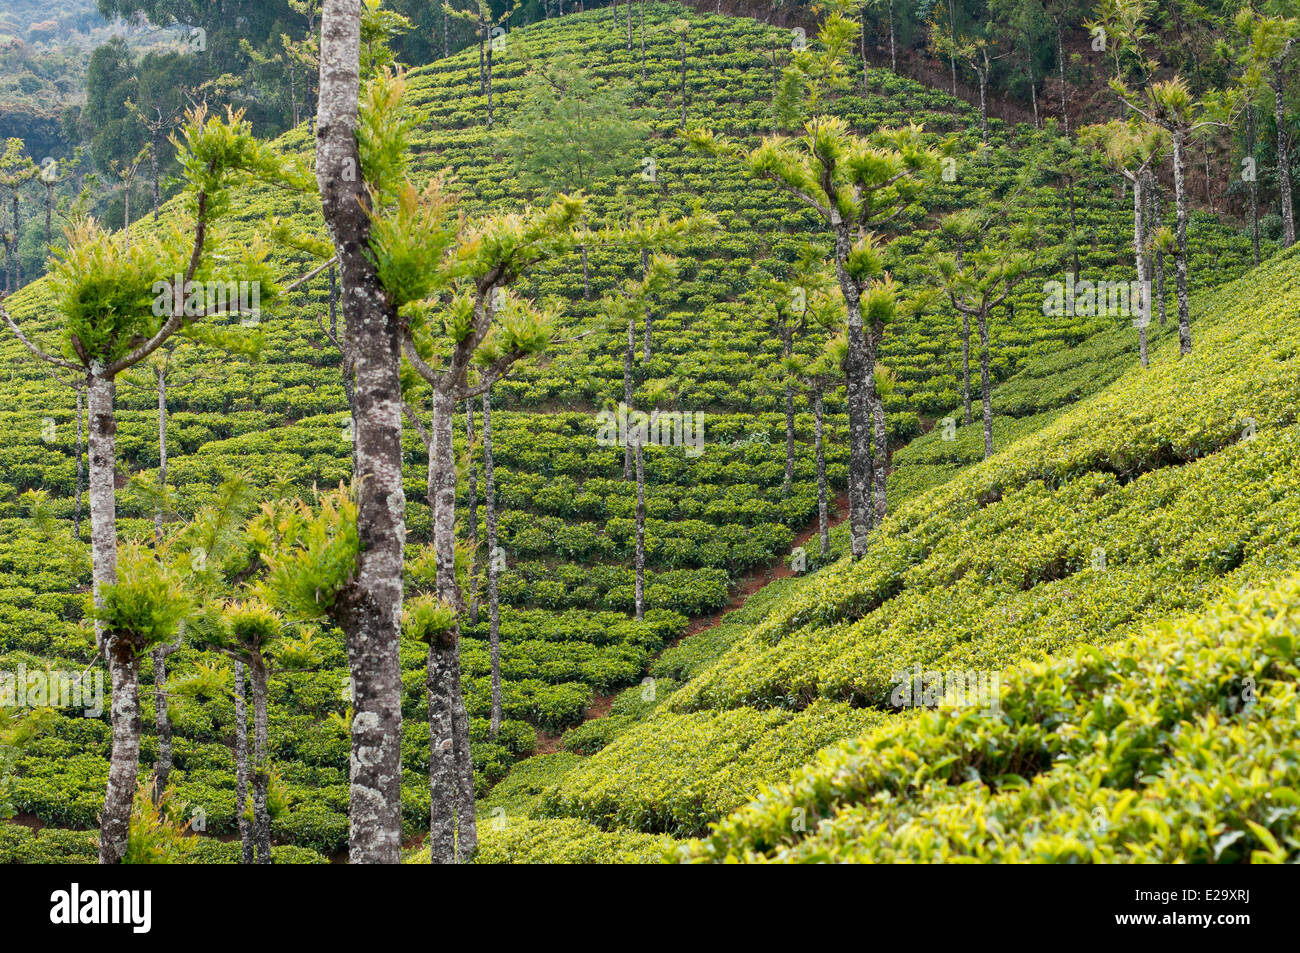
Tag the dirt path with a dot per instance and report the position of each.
(745, 586)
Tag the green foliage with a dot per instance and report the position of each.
(309, 553)
(148, 602)
(1176, 747)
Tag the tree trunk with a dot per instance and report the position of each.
(1283, 160)
(645, 271)
(823, 520)
(161, 722)
(1074, 224)
(1033, 88)
(446, 704)
(1139, 252)
(1060, 63)
(984, 105)
(787, 347)
(442, 757)
(123, 663)
(1253, 183)
(471, 520)
(640, 523)
(261, 771)
(629, 355)
(586, 275)
(162, 453)
(442, 497)
(683, 81)
(489, 84)
(858, 367)
(124, 763)
(1158, 259)
(494, 604)
(985, 402)
(1180, 263)
(153, 169)
(952, 56)
(893, 55)
(862, 52)
(369, 610)
(81, 465)
(880, 436)
(246, 851)
(965, 367)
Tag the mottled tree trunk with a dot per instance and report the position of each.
(471, 520)
(494, 604)
(645, 270)
(1253, 183)
(880, 440)
(124, 763)
(261, 770)
(1074, 224)
(162, 723)
(1060, 64)
(862, 53)
(369, 610)
(123, 663)
(586, 275)
(629, 356)
(984, 105)
(442, 757)
(893, 55)
(859, 367)
(1158, 259)
(1180, 263)
(683, 91)
(489, 84)
(1283, 159)
(451, 778)
(823, 517)
(965, 367)
(247, 854)
(162, 453)
(787, 347)
(153, 169)
(1139, 253)
(81, 464)
(640, 524)
(985, 403)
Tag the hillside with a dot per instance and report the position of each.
(1151, 518)
(982, 565)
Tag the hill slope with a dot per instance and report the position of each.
(1114, 520)
(810, 656)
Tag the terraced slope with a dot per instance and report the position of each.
(565, 512)
(1114, 519)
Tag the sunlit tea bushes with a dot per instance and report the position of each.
(1174, 747)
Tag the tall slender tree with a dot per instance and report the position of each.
(119, 306)
(355, 173)
(855, 185)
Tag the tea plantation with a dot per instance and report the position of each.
(1124, 561)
